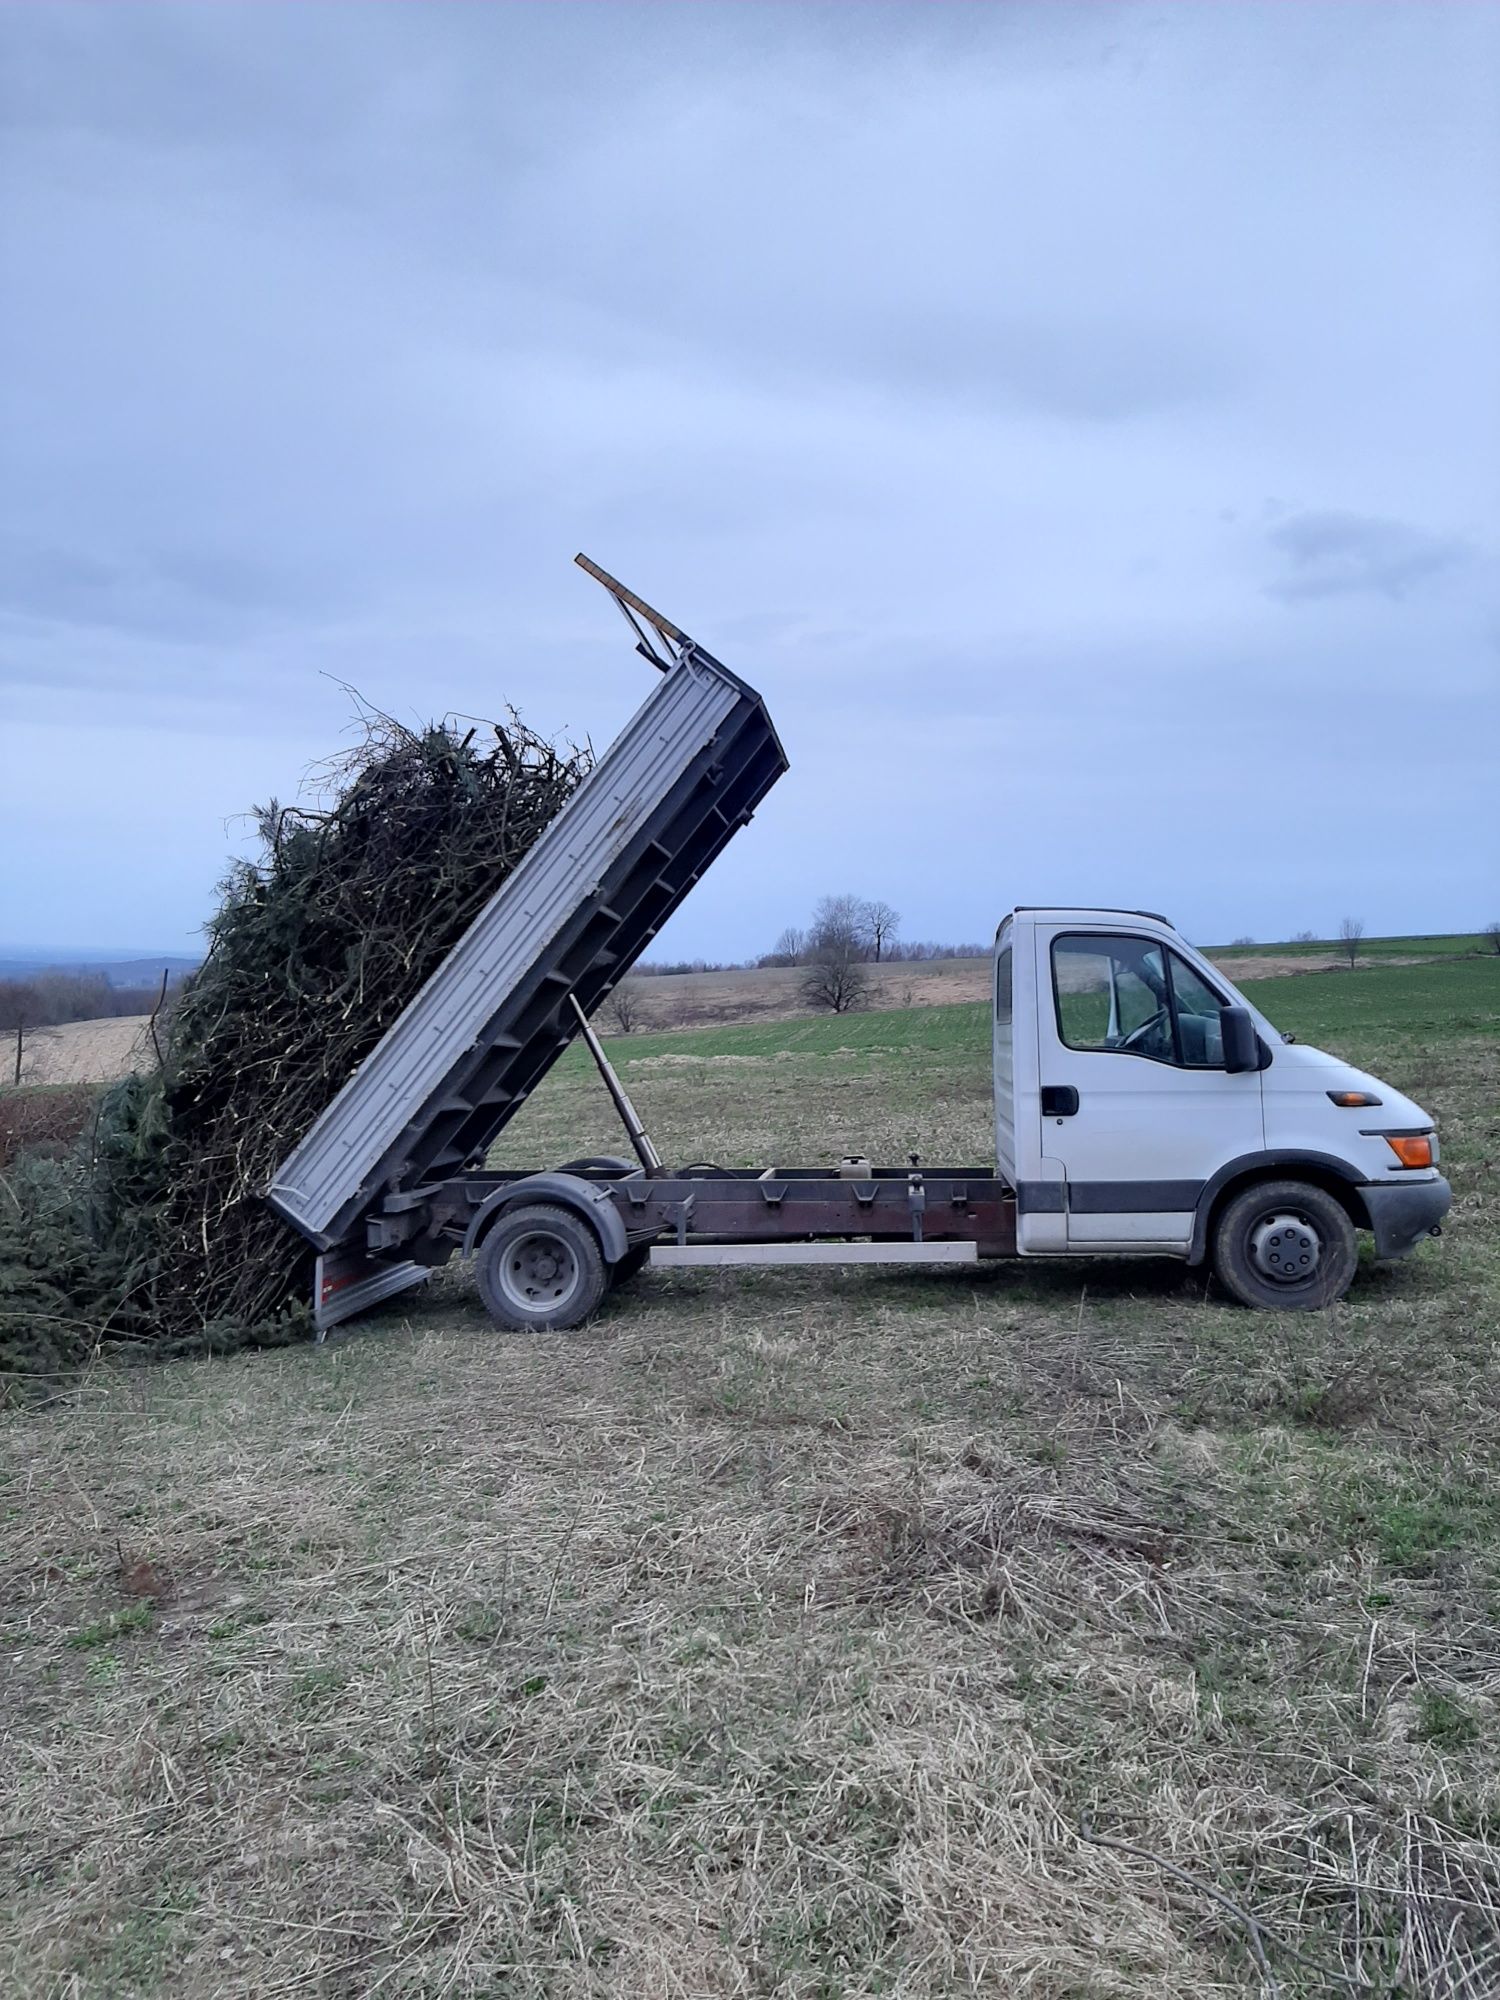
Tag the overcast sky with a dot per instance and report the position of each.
(1081, 424)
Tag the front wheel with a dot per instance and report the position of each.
(1285, 1246)
(541, 1267)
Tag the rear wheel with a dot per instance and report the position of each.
(635, 1259)
(1285, 1246)
(541, 1267)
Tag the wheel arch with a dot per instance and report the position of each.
(586, 1199)
(1322, 1170)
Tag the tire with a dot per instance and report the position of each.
(541, 1267)
(634, 1261)
(1284, 1246)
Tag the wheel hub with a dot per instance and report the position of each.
(539, 1271)
(1285, 1247)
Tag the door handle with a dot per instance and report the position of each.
(1059, 1100)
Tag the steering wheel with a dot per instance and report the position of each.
(1140, 1038)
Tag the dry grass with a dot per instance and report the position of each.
(740, 1652)
(84, 1051)
(773, 992)
(779, 1635)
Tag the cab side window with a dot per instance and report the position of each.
(1112, 994)
(1200, 1036)
(1003, 1001)
(1133, 996)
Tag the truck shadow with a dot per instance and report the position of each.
(1057, 1284)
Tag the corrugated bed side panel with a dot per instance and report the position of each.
(691, 764)
(602, 938)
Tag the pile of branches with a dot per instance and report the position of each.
(319, 942)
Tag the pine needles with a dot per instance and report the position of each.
(318, 944)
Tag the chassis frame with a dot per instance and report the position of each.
(852, 1214)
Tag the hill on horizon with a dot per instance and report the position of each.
(121, 968)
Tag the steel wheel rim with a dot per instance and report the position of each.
(1285, 1247)
(538, 1272)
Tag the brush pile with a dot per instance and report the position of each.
(319, 943)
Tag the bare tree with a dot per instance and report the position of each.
(833, 975)
(623, 1008)
(878, 924)
(1305, 937)
(835, 916)
(789, 949)
(1492, 932)
(1351, 930)
(1235, 942)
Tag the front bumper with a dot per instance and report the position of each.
(1401, 1214)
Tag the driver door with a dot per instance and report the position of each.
(1136, 1103)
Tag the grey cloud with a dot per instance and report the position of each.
(1343, 555)
(928, 363)
(172, 593)
(470, 141)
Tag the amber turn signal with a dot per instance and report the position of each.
(1353, 1100)
(1411, 1152)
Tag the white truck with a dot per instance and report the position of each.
(1143, 1108)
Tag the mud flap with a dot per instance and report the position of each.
(346, 1282)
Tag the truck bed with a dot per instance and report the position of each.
(687, 771)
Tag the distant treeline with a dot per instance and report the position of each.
(896, 951)
(49, 998)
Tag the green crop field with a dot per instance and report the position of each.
(1384, 1006)
(1048, 1630)
(1450, 944)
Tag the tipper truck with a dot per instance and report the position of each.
(1143, 1107)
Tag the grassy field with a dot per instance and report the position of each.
(1451, 944)
(1037, 1631)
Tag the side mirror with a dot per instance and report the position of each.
(1241, 1043)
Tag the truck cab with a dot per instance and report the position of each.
(1143, 1107)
